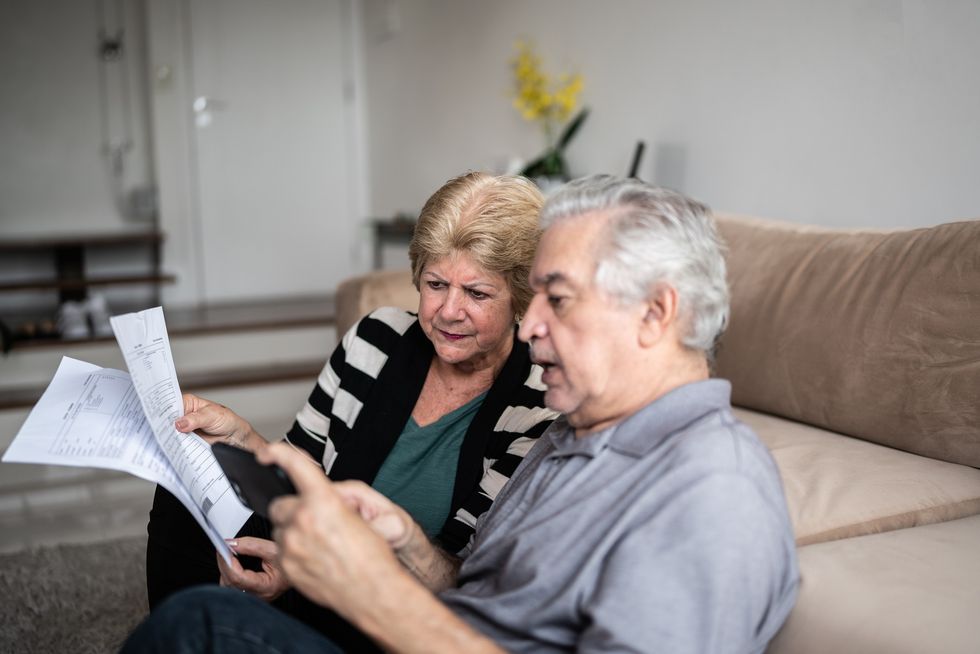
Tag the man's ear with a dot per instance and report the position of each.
(660, 315)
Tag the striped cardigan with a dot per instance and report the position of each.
(368, 389)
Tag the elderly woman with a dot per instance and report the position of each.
(435, 410)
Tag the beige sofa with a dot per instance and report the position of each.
(855, 355)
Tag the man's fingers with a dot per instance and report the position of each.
(281, 510)
(306, 478)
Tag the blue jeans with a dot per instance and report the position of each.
(223, 620)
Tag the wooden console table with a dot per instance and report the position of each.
(396, 230)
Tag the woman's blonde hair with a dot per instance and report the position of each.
(494, 219)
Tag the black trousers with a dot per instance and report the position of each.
(179, 555)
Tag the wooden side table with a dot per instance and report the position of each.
(390, 231)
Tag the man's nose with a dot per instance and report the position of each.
(532, 326)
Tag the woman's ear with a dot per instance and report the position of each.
(660, 315)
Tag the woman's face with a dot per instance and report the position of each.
(466, 311)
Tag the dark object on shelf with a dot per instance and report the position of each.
(637, 158)
(6, 338)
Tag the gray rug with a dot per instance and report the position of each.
(82, 599)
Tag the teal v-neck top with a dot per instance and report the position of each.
(420, 471)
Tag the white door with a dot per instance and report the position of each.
(272, 146)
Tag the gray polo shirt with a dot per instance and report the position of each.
(666, 533)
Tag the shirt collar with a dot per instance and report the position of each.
(642, 431)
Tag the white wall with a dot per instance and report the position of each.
(264, 203)
(844, 112)
(54, 175)
(263, 199)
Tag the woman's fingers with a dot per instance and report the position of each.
(193, 421)
(231, 574)
(267, 584)
(261, 548)
(192, 402)
(210, 421)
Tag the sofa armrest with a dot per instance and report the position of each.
(358, 296)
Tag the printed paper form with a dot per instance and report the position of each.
(91, 417)
(145, 346)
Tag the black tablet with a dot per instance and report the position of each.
(255, 484)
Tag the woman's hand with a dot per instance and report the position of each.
(217, 423)
(268, 584)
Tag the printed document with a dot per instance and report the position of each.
(104, 418)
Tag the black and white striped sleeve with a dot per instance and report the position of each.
(516, 431)
(311, 428)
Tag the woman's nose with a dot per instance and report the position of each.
(452, 308)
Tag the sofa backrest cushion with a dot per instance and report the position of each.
(873, 334)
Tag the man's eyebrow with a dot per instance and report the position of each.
(550, 278)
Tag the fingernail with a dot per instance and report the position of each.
(181, 424)
(232, 543)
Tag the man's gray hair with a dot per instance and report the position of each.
(655, 236)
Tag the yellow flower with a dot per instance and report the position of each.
(539, 97)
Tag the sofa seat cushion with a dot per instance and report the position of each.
(838, 487)
(911, 590)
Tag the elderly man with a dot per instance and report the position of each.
(647, 519)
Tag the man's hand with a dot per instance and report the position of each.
(217, 423)
(336, 547)
(268, 584)
(386, 518)
(326, 549)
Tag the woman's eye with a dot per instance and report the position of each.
(435, 286)
(477, 295)
(555, 301)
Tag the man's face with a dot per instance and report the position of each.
(578, 334)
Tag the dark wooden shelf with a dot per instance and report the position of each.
(68, 252)
(82, 283)
(55, 241)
